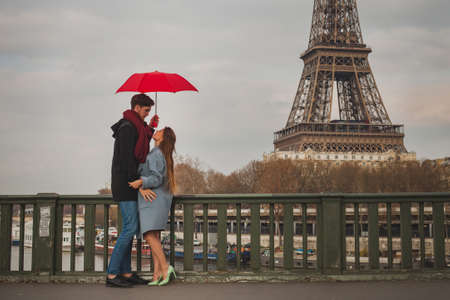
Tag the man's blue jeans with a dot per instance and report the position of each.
(120, 262)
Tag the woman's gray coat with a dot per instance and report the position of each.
(154, 215)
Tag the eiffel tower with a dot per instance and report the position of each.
(336, 63)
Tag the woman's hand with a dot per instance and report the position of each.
(148, 194)
(135, 184)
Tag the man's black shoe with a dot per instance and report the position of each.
(118, 281)
(135, 279)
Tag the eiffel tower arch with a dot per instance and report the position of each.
(336, 63)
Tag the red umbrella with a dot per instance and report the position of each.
(156, 82)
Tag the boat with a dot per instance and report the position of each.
(28, 235)
(67, 236)
(99, 245)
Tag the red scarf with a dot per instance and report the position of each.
(145, 134)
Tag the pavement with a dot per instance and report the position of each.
(385, 290)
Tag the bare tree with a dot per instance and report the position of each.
(189, 176)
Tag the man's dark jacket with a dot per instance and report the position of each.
(124, 164)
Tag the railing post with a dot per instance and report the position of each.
(22, 237)
(255, 240)
(105, 236)
(288, 234)
(343, 237)
(73, 229)
(271, 237)
(319, 237)
(138, 254)
(439, 235)
(221, 237)
(389, 234)
(188, 237)
(422, 234)
(238, 236)
(356, 233)
(205, 237)
(44, 217)
(305, 235)
(89, 238)
(331, 235)
(374, 234)
(58, 238)
(172, 234)
(5, 238)
(406, 234)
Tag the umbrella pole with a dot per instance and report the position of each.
(156, 103)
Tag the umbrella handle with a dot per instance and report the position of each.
(156, 103)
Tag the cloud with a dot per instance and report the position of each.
(427, 105)
(413, 53)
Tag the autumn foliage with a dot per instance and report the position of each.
(297, 176)
(291, 176)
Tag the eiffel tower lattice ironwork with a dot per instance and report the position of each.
(337, 58)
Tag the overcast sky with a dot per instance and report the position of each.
(61, 62)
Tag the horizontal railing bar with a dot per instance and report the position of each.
(396, 200)
(246, 196)
(293, 271)
(30, 197)
(317, 195)
(18, 201)
(81, 273)
(431, 196)
(245, 201)
(31, 273)
(238, 198)
(86, 201)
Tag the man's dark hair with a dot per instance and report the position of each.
(141, 100)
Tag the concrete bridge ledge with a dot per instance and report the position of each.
(243, 277)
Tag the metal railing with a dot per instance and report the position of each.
(326, 250)
(341, 129)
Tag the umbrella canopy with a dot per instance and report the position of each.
(156, 82)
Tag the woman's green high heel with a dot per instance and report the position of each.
(170, 273)
(155, 282)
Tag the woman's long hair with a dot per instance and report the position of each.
(167, 147)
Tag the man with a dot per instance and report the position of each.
(132, 137)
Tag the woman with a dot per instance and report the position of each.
(157, 175)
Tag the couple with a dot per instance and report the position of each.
(143, 183)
